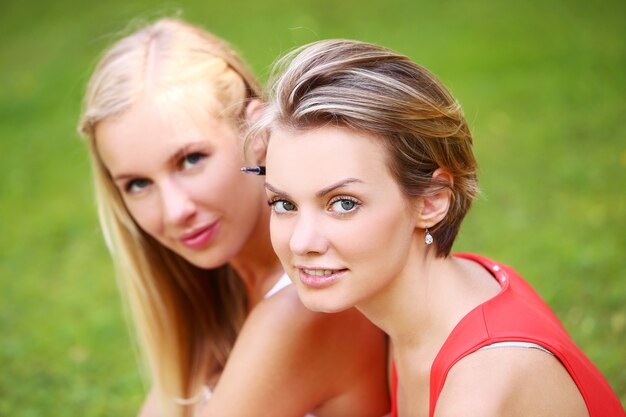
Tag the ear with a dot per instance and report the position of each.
(434, 207)
(254, 109)
(258, 145)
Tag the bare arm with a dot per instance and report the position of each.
(510, 382)
(292, 361)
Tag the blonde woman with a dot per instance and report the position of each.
(222, 331)
(370, 172)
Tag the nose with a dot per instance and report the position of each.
(178, 206)
(307, 236)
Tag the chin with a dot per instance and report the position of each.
(322, 304)
(205, 262)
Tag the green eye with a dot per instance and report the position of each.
(344, 205)
(137, 185)
(347, 205)
(282, 206)
(192, 159)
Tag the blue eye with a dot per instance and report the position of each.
(192, 159)
(344, 205)
(137, 185)
(282, 206)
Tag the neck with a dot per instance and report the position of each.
(423, 304)
(415, 308)
(256, 263)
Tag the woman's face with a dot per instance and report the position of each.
(340, 224)
(178, 174)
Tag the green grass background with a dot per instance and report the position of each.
(542, 83)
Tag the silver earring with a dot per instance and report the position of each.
(256, 170)
(428, 238)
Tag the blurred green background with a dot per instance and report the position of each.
(542, 83)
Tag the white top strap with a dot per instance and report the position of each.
(515, 344)
(282, 282)
(201, 397)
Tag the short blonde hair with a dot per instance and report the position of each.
(187, 318)
(377, 91)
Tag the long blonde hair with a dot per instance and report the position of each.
(372, 89)
(186, 318)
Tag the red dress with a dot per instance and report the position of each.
(517, 313)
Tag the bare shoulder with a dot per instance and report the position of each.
(284, 309)
(331, 363)
(511, 382)
(283, 315)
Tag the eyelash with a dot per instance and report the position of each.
(183, 160)
(357, 203)
(181, 165)
(129, 185)
(272, 202)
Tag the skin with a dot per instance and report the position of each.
(376, 208)
(186, 184)
(372, 255)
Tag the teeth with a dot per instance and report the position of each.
(318, 272)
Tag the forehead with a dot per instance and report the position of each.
(299, 160)
(151, 131)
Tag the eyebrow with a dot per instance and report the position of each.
(320, 193)
(181, 152)
(123, 177)
(186, 150)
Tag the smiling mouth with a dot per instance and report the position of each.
(320, 278)
(320, 272)
(200, 238)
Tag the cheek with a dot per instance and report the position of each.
(280, 233)
(215, 189)
(146, 214)
(222, 180)
(381, 234)
(206, 188)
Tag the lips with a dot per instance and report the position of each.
(320, 277)
(200, 237)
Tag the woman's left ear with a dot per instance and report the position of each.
(254, 109)
(258, 145)
(434, 206)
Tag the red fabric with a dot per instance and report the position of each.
(517, 313)
(394, 391)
